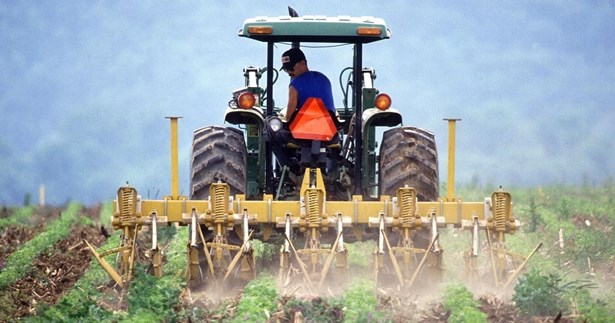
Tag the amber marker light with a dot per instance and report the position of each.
(261, 30)
(382, 101)
(369, 31)
(246, 100)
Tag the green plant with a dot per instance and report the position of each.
(534, 215)
(592, 310)
(264, 252)
(360, 304)
(357, 252)
(537, 294)
(153, 298)
(158, 299)
(259, 298)
(460, 302)
(27, 199)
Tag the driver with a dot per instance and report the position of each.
(303, 85)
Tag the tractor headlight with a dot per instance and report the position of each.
(246, 100)
(382, 101)
(275, 124)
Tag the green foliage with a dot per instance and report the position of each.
(264, 252)
(537, 294)
(460, 302)
(20, 262)
(258, 299)
(175, 264)
(358, 254)
(458, 296)
(158, 299)
(592, 310)
(556, 208)
(151, 297)
(360, 304)
(565, 208)
(19, 216)
(591, 243)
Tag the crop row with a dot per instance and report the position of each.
(19, 216)
(20, 262)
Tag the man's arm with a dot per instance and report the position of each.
(292, 102)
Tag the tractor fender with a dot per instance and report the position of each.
(253, 116)
(374, 117)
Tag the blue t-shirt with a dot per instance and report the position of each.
(312, 84)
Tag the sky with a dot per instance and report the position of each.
(85, 86)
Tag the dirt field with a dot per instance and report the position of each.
(54, 272)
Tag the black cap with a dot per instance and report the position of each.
(291, 57)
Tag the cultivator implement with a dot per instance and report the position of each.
(396, 219)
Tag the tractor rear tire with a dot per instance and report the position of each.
(218, 154)
(408, 156)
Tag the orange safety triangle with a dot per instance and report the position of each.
(313, 122)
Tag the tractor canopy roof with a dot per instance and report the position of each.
(341, 29)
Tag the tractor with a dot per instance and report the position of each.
(347, 186)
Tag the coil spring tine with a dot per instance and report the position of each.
(499, 213)
(407, 207)
(312, 209)
(128, 201)
(219, 205)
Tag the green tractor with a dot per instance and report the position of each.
(347, 187)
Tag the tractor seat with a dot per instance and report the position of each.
(291, 145)
(334, 143)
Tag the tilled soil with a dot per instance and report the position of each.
(13, 237)
(53, 273)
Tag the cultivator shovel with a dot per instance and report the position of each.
(403, 258)
(129, 221)
(313, 222)
(504, 264)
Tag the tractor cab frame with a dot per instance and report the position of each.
(359, 105)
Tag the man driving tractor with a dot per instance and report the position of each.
(304, 84)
